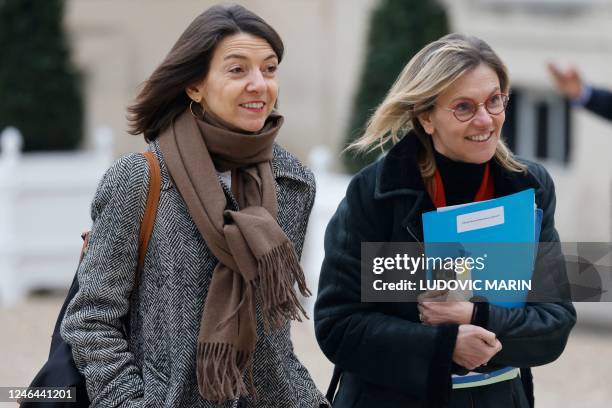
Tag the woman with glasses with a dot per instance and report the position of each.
(443, 118)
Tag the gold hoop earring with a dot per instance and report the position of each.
(191, 109)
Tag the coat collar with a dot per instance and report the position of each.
(285, 165)
(398, 173)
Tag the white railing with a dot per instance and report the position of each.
(44, 204)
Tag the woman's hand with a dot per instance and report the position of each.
(435, 309)
(475, 346)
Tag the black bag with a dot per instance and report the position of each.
(60, 369)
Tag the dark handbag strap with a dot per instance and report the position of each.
(333, 384)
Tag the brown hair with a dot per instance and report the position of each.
(427, 75)
(163, 96)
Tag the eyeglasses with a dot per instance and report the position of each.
(466, 109)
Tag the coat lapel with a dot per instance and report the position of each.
(285, 165)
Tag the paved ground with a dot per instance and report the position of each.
(582, 377)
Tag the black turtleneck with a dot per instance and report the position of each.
(461, 180)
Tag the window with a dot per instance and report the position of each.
(538, 125)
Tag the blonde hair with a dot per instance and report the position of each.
(428, 74)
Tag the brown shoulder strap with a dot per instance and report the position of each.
(148, 220)
(146, 228)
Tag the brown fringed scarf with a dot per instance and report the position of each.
(256, 259)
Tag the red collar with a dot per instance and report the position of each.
(486, 191)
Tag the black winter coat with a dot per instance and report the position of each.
(600, 103)
(387, 357)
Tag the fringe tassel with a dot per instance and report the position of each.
(220, 372)
(277, 271)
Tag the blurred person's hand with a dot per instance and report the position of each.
(567, 81)
(475, 346)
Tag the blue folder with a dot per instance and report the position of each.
(506, 229)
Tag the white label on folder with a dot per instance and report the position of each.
(480, 219)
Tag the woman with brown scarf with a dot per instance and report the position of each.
(209, 315)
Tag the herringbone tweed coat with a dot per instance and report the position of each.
(155, 365)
